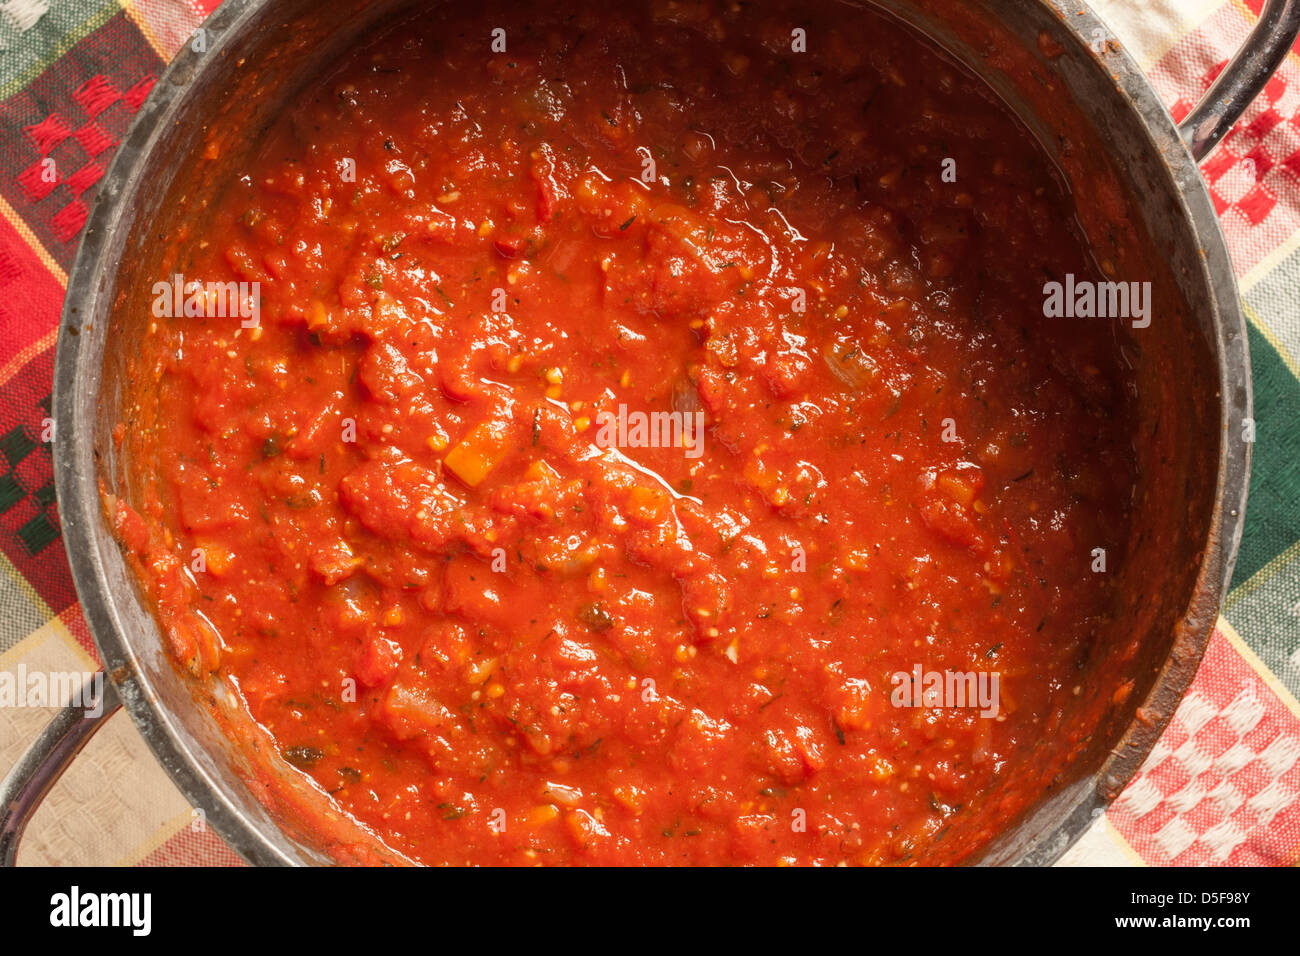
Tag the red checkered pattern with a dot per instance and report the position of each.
(1227, 770)
(195, 845)
(52, 139)
(1260, 158)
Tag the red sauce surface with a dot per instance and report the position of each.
(493, 640)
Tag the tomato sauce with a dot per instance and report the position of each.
(386, 515)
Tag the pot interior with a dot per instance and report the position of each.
(1128, 204)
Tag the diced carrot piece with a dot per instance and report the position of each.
(217, 559)
(541, 471)
(543, 814)
(630, 797)
(478, 452)
(584, 828)
(961, 486)
(319, 317)
(476, 672)
(647, 506)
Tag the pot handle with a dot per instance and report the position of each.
(43, 764)
(1243, 78)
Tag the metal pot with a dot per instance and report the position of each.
(1053, 63)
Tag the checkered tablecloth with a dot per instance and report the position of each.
(1223, 785)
